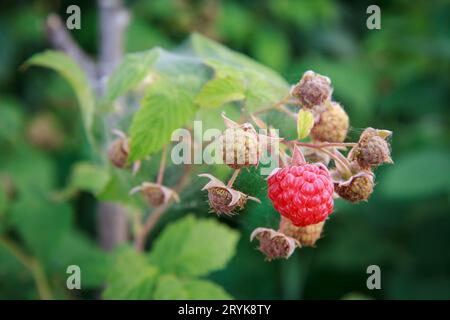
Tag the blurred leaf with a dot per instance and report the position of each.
(76, 249)
(142, 35)
(418, 174)
(134, 68)
(30, 170)
(264, 86)
(11, 119)
(70, 71)
(194, 247)
(169, 287)
(305, 122)
(40, 223)
(131, 276)
(206, 48)
(86, 176)
(219, 91)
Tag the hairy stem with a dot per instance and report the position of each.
(233, 178)
(33, 265)
(162, 166)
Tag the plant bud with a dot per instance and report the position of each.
(358, 188)
(312, 90)
(43, 132)
(273, 244)
(223, 199)
(118, 153)
(155, 194)
(372, 148)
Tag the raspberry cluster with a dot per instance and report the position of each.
(311, 176)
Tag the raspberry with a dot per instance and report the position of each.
(306, 236)
(303, 194)
(312, 90)
(358, 188)
(332, 125)
(372, 148)
(240, 146)
(273, 244)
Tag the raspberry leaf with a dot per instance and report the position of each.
(130, 277)
(219, 91)
(193, 247)
(166, 107)
(170, 287)
(132, 71)
(72, 73)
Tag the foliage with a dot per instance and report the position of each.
(396, 77)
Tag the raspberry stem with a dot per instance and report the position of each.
(233, 178)
(162, 166)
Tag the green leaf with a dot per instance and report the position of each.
(73, 74)
(169, 287)
(131, 276)
(167, 106)
(418, 174)
(87, 177)
(11, 119)
(206, 48)
(132, 71)
(305, 123)
(263, 85)
(219, 91)
(40, 223)
(77, 249)
(194, 247)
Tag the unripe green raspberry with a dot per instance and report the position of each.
(312, 90)
(372, 149)
(332, 125)
(306, 236)
(240, 146)
(358, 188)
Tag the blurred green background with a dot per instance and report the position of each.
(396, 78)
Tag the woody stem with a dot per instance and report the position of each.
(233, 178)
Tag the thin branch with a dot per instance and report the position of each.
(154, 217)
(60, 38)
(162, 166)
(39, 277)
(233, 178)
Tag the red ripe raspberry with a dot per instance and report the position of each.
(303, 194)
